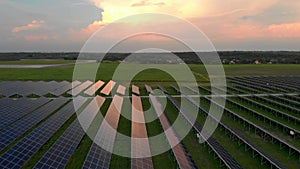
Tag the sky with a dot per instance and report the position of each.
(65, 25)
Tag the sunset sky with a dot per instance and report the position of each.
(65, 25)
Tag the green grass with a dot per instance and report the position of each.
(107, 69)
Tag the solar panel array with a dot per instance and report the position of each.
(274, 101)
(140, 149)
(77, 90)
(26, 88)
(61, 151)
(16, 156)
(17, 129)
(255, 148)
(65, 88)
(39, 88)
(183, 158)
(98, 157)
(225, 157)
(18, 108)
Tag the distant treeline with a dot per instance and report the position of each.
(227, 57)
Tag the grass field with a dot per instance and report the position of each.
(37, 62)
(107, 69)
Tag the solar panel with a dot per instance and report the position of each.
(139, 147)
(61, 151)
(135, 89)
(13, 105)
(64, 89)
(121, 90)
(238, 135)
(107, 89)
(16, 156)
(225, 157)
(93, 89)
(259, 129)
(77, 90)
(19, 110)
(148, 88)
(97, 156)
(17, 129)
(183, 158)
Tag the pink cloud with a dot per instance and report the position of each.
(31, 26)
(85, 32)
(36, 37)
(289, 30)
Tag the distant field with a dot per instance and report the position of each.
(36, 62)
(106, 71)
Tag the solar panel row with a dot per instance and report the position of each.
(93, 89)
(272, 161)
(100, 154)
(260, 89)
(265, 118)
(286, 101)
(16, 156)
(274, 103)
(26, 88)
(121, 90)
(244, 89)
(269, 109)
(77, 90)
(17, 129)
(135, 89)
(258, 130)
(140, 149)
(260, 85)
(21, 109)
(13, 105)
(276, 83)
(38, 88)
(65, 88)
(61, 151)
(108, 88)
(182, 156)
(224, 156)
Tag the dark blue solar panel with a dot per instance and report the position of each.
(17, 129)
(60, 153)
(29, 145)
(20, 110)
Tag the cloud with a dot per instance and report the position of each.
(147, 3)
(36, 37)
(289, 30)
(35, 24)
(85, 33)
